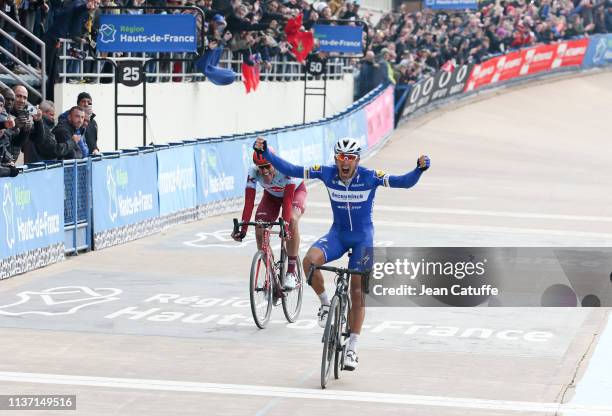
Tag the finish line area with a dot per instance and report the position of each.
(162, 325)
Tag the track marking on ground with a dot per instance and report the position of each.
(300, 393)
(595, 386)
(472, 228)
(505, 214)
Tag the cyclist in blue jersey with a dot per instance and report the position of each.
(351, 190)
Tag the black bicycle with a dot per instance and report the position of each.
(337, 331)
(267, 274)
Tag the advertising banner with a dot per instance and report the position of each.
(528, 61)
(451, 4)
(302, 147)
(221, 169)
(379, 116)
(599, 52)
(508, 66)
(442, 85)
(125, 191)
(538, 59)
(32, 211)
(339, 39)
(570, 53)
(176, 179)
(147, 33)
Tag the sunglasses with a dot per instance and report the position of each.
(264, 167)
(346, 157)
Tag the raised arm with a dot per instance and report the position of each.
(281, 165)
(407, 180)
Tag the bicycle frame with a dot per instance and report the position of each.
(267, 249)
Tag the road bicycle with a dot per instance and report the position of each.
(265, 288)
(337, 331)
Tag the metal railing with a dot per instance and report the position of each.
(96, 70)
(39, 76)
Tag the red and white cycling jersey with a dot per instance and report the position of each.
(276, 187)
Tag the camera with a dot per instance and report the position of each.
(31, 110)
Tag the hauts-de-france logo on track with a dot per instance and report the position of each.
(107, 33)
(8, 208)
(58, 301)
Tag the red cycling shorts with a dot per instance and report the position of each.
(270, 206)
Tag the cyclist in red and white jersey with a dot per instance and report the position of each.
(279, 191)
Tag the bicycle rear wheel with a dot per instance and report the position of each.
(261, 289)
(330, 338)
(292, 301)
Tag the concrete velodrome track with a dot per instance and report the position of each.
(162, 326)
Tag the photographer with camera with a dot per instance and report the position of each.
(45, 146)
(16, 104)
(7, 164)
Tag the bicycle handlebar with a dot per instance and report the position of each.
(341, 270)
(365, 274)
(281, 222)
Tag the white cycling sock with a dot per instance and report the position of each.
(352, 344)
(324, 299)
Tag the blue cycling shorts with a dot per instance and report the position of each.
(337, 242)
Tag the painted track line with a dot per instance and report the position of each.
(301, 393)
(471, 228)
(483, 213)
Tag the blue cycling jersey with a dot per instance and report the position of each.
(351, 202)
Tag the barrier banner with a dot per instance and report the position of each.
(451, 4)
(599, 52)
(339, 39)
(125, 191)
(570, 53)
(301, 146)
(508, 66)
(528, 61)
(440, 86)
(32, 212)
(147, 33)
(176, 179)
(219, 176)
(379, 116)
(538, 59)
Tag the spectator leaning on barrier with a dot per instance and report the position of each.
(91, 129)
(46, 146)
(7, 164)
(69, 131)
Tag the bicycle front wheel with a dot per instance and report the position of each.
(292, 299)
(343, 331)
(261, 289)
(330, 338)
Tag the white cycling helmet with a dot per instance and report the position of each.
(347, 145)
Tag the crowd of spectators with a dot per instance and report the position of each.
(403, 46)
(33, 131)
(409, 46)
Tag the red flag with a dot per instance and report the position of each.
(301, 42)
(250, 76)
(250, 73)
